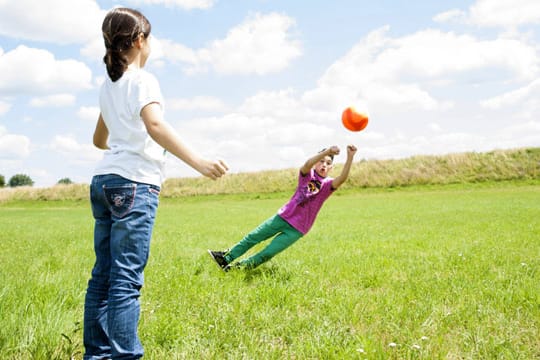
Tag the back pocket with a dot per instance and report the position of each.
(120, 198)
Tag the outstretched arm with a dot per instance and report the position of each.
(331, 151)
(340, 179)
(165, 136)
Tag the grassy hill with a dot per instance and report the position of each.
(470, 167)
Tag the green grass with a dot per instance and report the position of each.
(441, 272)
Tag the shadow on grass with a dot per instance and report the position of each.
(266, 272)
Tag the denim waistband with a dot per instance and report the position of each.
(112, 177)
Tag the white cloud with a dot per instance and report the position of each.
(436, 53)
(523, 134)
(88, 113)
(94, 50)
(521, 104)
(65, 144)
(262, 44)
(56, 21)
(205, 103)
(4, 107)
(13, 146)
(429, 91)
(185, 4)
(58, 100)
(68, 146)
(281, 104)
(513, 97)
(34, 71)
(399, 146)
(174, 53)
(505, 13)
(397, 77)
(495, 13)
(399, 74)
(435, 127)
(450, 15)
(262, 133)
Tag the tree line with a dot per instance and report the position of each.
(25, 180)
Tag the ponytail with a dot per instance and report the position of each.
(116, 64)
(120, 29)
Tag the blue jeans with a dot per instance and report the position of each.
(124, 213)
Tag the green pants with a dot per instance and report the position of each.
(285, 236)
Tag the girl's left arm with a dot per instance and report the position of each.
(166, 136)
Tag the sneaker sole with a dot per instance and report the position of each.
(215, 261)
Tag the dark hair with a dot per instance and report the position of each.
(331, 155)
(120, 28)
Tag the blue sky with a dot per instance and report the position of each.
(262, 83)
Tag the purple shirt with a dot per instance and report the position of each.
(302, 209)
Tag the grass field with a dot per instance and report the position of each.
(433, 272)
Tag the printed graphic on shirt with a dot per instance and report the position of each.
(307, 194)
(314, 186)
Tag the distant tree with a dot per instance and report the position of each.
(20, 180)
(2, 181)
(65, 181)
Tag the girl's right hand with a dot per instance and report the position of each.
(214, 169)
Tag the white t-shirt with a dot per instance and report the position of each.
(133, 154)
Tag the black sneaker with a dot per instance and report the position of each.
(219, 258)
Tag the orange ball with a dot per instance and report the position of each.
(354, 120)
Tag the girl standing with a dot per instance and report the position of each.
(125, 187)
